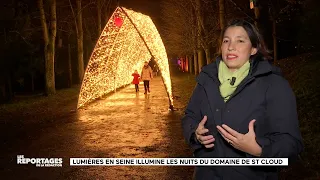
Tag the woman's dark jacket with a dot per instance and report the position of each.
(263, 95)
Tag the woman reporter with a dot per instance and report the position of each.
(241, 107)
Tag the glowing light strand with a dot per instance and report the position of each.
(121, 49)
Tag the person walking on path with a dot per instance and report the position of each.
(146, 76)
(136, 80)
(156, 69)
(242, 107)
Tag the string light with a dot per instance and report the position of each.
(128, 39)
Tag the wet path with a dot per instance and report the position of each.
(124, 124)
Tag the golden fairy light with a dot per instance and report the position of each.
(128, 39)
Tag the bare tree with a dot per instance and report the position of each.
(221, 14)
(188, 31)
(79, 31)
(80, 41)
(49, 36)
(178, 26)
(208, 29)
(99, 14)
(278, 13)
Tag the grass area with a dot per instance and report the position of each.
(301, 72)
(34, 108)
(182, 87)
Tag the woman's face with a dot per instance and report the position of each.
(236, 47)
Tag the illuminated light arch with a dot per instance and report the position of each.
(127, 41)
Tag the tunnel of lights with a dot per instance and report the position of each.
(127, 41)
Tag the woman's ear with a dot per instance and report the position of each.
(254, 51)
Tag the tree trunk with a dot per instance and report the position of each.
(80, 41)
(221, 14)
(194, 57)
(208, 55)
(105, 15)
(10, 88)
(195, 62)
(201, 59)
(274, 34)
(3, 93)
(199, 36)
(53, 34)
(190, 64)
(6, 88)
(49, 43)
(186, 63)
(257, 16)
(52, 42)
(88, 53)
(49, 67)
(32, 82)
(99, 16)
(69, 66)
(9, 92)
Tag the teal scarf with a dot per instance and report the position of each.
(226, 78)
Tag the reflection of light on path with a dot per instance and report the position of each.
(126, 124)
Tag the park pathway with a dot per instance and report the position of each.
(124, 124)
